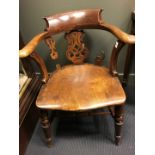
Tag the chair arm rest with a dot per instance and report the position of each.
(29, 50)
(31, 45)
(121, 35)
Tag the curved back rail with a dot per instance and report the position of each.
(83, 19)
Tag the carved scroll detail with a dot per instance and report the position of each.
(76, 51)
(51, 44)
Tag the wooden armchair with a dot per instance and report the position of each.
(79, 88)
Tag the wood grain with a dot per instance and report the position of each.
(81, 87)
(90, 19)
(84, 19)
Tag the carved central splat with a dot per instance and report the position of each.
(76, 51)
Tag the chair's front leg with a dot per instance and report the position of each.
(45, 124)
(118, 122)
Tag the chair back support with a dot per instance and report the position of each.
(76, 52)
(83, 19)
(73, 20)
(73, 23)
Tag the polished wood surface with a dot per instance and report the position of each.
(25, 62)
(114, 57)
(81, 87)
(68, 21)
(84, 19)
(118, 33)
(78, 19)
(32, 44)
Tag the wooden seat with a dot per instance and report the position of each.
(80, 87)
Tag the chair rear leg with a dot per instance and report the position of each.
(118, 123)
(45, 124)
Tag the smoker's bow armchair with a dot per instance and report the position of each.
(80, 87)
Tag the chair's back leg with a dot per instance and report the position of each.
(45, 124)
(118, 122)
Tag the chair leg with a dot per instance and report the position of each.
(118, 123)
(45, 124)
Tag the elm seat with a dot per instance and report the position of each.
(80, 87)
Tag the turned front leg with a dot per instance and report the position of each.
(118, 122)
(45, 124)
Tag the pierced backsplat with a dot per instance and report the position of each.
(76, 51)
(51, 44)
